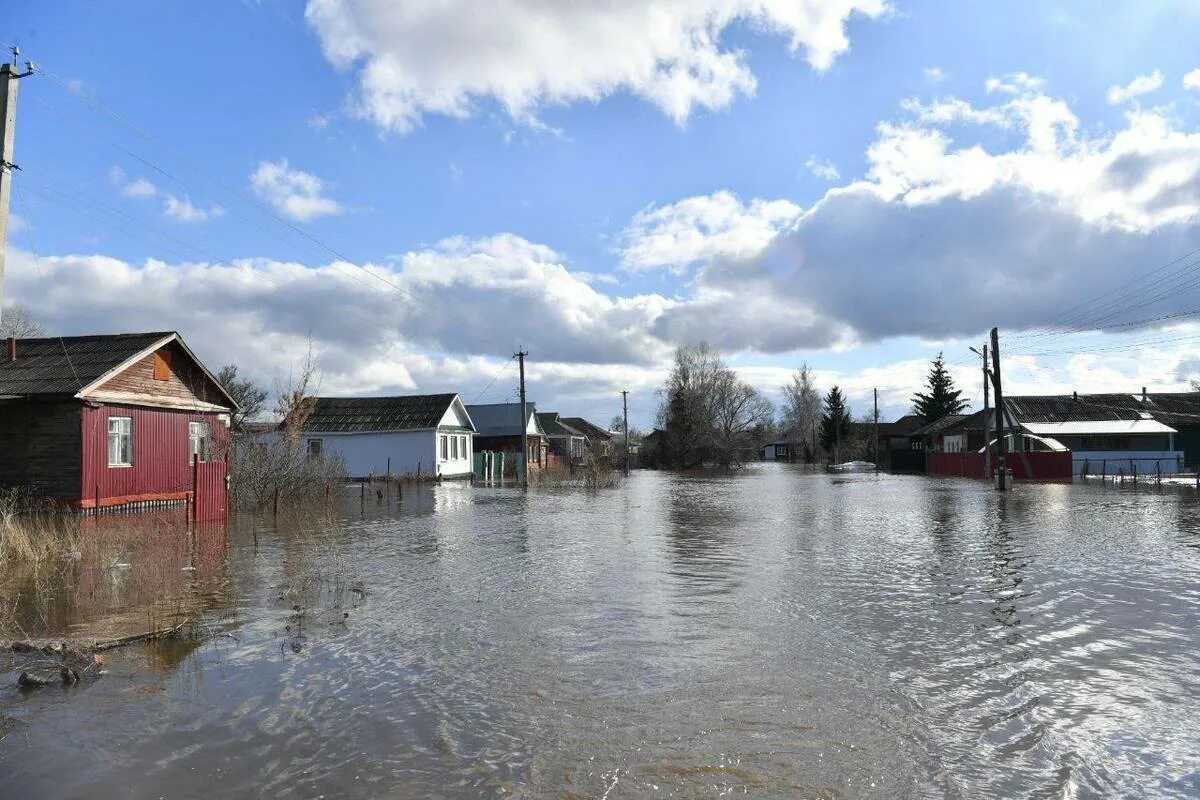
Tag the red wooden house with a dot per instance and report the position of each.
(121, 420)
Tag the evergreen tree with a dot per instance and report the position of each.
(835, 423)
(941, 398)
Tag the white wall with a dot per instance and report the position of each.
(367, 454)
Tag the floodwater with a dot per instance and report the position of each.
(774, 633)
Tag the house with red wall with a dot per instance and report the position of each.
(122, 420)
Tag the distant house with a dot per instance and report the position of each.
(895, 447)
(106, 421)
(429, 434)
(567, 442)
(779, 451)
(598, 439)
(498, 430)
(1105, 433)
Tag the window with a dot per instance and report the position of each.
(462, 447)
(445, 448)
(162, 365)
(199, 440)
(454, 447)
(316, 448)
(120, 441)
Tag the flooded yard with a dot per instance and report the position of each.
(774, 633)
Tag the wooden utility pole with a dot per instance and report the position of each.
(1001, 440)
(524, 423)
(625, 411)
(9, 74)
(875, 445)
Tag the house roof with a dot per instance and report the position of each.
(1068, 408)
(74, 365)
(1097, 427)
(553, 425)
(587, 429)
(901, 427)
(500, 419)
(938, 425)
(378, 414)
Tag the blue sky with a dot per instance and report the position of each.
(599, 183)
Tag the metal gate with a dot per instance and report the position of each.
(210, 490)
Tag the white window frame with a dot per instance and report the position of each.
(462, 447)
(116, 436)
(199, 445)
(445, 447)
(308, 448)
(454, 448)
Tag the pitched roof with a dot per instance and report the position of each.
(554, 426)
(69, 365)
(938, 425)
(378, 414)
(587, 429)
(1068, 408)
(499, 419)
(901, 427)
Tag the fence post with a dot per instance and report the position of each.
(1104, 470)
(1158, 473)
(1133, 468)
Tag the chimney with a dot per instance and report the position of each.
(1144, 394)
(12, 348)
(1075, 396)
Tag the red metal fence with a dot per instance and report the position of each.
(1028, 466)
(210, 495)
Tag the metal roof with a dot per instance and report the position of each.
(554, 426)
(378, 414)
(939, 424)
(500, 419)
(587, 429)
(1097, 427)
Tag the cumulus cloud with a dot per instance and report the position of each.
(443, 58)
(139, 188)
(1191, 80)
(935, 74)
(181, 208)
(292, 192)
(1142, 84)
(703, 228)
(825, 170)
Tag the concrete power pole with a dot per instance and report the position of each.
(1002, 442)
(987, 425)
(9, 74)
(625, 411)
(524, 423)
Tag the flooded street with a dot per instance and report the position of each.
(775, 633)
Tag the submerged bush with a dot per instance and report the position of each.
(264, 472)
(30, 534)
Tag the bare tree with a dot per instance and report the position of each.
(801, 411)
(707, 413)
(16, 322)
(295, 401)
(250, 397)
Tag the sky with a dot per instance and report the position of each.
(417, 190)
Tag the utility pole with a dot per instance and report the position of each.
(524, 423)
(1001, 440)
(625, 411)
(987, 424)
(875, 445)
(9, 74)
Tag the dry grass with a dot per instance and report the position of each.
(29, 535)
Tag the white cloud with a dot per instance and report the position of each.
(139, 188)
(825, 170)
(181, 208)
(935, 74)
(417, 59)
(1191, 80)
(1142, 84)
(703, 228)
(17, 223)
(292, 192)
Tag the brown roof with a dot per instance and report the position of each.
(587, 429)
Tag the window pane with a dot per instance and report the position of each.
(454, 447)
(445, 449)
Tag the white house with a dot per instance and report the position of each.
(430, 434)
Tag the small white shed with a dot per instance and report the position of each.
(430, 434)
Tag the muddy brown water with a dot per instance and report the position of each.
(774, 633)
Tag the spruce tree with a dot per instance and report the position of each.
(835, 422)
(940, 398)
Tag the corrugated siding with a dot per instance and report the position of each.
(161, 465)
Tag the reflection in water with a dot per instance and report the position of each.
(776, 633)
